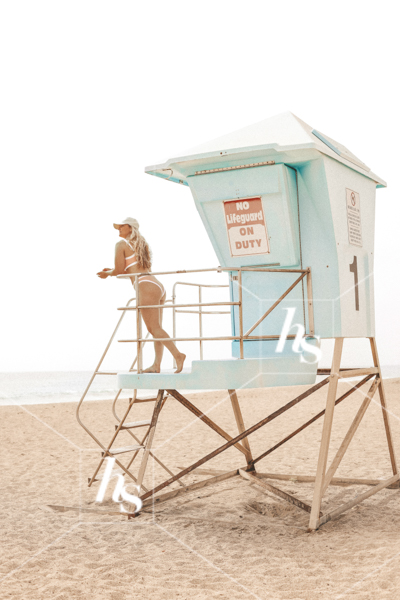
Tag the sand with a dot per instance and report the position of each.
(229, 541)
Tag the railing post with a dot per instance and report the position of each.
(174, 319)
(200, 324)
(240, 312)
(310, 303)
(138, 327)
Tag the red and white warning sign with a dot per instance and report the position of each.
(354, 217)
(247, 231)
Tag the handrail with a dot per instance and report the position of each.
(91, 381)
(211, 339)
(215, 269)
(242, 336)
(130, 275)
(262, 269)
(205, 312)
(196, 284)
(200, 312)
(179, 305)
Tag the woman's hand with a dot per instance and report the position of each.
(104, 273)
(119, 262)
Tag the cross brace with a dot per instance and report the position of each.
(323, 477)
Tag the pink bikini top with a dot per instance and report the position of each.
(145, 278)
(130, 260)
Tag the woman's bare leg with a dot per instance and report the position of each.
(151, 316)
(158, 346)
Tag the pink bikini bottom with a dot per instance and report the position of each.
(146, 279)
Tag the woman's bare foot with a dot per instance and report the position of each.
(152, 369)
(179, 362)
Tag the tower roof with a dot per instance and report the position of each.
(282, 133)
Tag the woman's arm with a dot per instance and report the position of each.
(119, 263)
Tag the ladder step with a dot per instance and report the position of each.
(134, 424)
(105, 373)
(114, 451)
(143, 400)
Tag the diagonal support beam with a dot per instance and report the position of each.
(238, 438)
(187, 404)
(341, 509)
(271, 488)
(310, 422)
(274, 305)
(358, 372)
(154, 500)
(349, 435)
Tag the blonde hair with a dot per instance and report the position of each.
(141, 248)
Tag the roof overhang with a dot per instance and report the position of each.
(222, 153)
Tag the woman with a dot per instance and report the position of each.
(132, 255)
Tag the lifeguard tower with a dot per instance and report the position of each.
(290, 215)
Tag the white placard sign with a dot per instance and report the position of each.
(245, 223)
(354, 217)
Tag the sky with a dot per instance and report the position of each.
(94, 91)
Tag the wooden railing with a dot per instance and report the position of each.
(242, 337)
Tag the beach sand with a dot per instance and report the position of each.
(228, 541)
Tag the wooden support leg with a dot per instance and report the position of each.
(326, 435)
(150, 437)
(240, 424)
(382, 396)
(349, 435)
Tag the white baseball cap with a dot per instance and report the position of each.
(128, 221)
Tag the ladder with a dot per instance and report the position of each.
(142, 445)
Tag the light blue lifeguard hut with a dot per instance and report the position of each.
(290, 214)
(281, 197)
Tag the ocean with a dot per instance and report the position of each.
(54, 387)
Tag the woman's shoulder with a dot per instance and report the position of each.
(121, 245)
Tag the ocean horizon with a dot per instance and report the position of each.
(53, 387)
